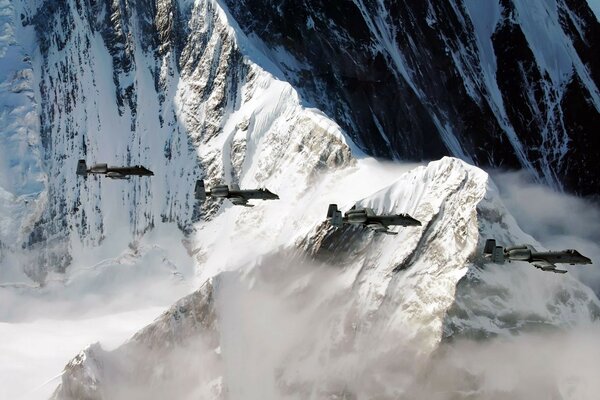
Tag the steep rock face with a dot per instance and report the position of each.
(348, 312)
(101, 101)
(180, 87)
(507, 83)
(22, 180)
(503, 300)
(163, 84)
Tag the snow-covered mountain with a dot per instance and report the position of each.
(512, 83)
(21, 176)
(123, 83)
(344, 313)
(188, 87)
(253, 93)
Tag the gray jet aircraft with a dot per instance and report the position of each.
(237, 196)
(368, 218)
(543, 260)
(112, 172)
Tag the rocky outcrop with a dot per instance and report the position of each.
(163, 84)
(490, 83)
(173, 85)
(343, 309)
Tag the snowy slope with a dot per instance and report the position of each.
(499, 83)
(343, 312)
(98, 246)
(21, 178)
(287, 306)
(187, 105)
(189, 91)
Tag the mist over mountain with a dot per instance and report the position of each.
(393, 105)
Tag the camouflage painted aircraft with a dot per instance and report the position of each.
(368, 218)
(237, 196)
(543, 260)
(112, 172)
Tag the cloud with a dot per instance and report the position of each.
(107, 295)
(290, 329)
(559, 365)
(556, 220)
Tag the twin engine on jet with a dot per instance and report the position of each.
(518, 253)
(99, 169)
(357, 216)
(220, 191)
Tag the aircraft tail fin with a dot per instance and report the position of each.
(496, 253)
(490, 245)
(334, 216)
(81, 167)
(200, 190)
(331, 210)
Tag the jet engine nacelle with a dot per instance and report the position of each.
(220, 191)
(99, 168)
(357, 217)
(519, 254)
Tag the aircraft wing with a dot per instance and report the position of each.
(379, 227)
(547, 266)
(239, 200)
(116, 175)
(398, 219)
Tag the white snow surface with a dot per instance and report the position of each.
(366, 321)
(21, 176)
(233, 120)
(33, 354)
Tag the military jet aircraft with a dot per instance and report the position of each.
(112, 172)
(237, 196)
(368, 218)
(543, 260)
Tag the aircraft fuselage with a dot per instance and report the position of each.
(523, 253)
(236, 195)
(544, 260)
(111, 171)
(225, 192)
(367, 217)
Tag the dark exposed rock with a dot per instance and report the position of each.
(348, 59)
